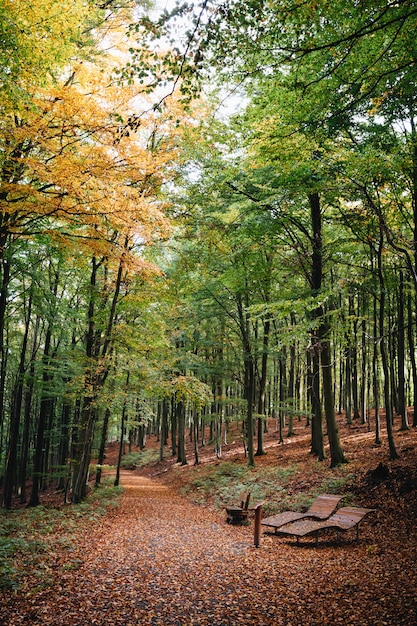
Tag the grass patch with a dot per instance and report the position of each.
(34, 540)
(223, 483)
(290, 488)
(135, 460)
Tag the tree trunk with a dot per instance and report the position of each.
(348, 383)
(196, 419)
(38, 459)
(354, 361)
(64, 446)
(122, 435)
(317, 439)
(249, 375)
(323, 347)
(163, 436)
(5, 277)
(336, 452)
(98, 352)
(411, 350)
(364, 378)
(180, 412)
(291, 390)
(262, 386)
(384, 356)
(174, 426)
(402, 408)
(375, 376)
(26, 427)
(16, 409)
(103, 443)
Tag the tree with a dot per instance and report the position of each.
(80, 169)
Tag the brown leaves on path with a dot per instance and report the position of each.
(160, 560)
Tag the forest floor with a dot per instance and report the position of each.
(161, 559)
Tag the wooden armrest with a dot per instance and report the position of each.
(256, 505)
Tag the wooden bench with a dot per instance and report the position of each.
(239, 514)
(321, 509)
(344, 519)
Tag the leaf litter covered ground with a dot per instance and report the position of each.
(161, 559)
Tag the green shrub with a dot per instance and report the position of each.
(224, 482)
(138, 459)
(281, 488)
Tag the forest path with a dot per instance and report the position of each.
(160, 560)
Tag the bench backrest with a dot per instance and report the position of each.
(244, 500)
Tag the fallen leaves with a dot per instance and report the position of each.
(160, 560)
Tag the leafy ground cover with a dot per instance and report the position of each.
(165, 555)
(34, 542)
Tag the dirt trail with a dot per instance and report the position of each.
(160, 560)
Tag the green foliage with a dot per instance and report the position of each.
(223, 483)
(139, 459)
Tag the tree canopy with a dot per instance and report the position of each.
(169, 263)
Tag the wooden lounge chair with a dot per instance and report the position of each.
(239, 514)
(344, 519)
(322, 507)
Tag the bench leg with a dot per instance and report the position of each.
(257, 532)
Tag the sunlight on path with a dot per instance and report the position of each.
(135, 485)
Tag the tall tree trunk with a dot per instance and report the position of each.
(122, 433)
(323, 347)
(249, 375)
(98, 353)
(402, 408)
(375, 375)
(103, 443)
(38, 459)
(384, 355)
(411, 349)
(5, 278)
(354, 361)
(16, 409)
(282, 391)
(180, 411)
(336, 452)
(291, 390)
(317, 439)
(348, 383)
(364, 378)
(26, 427)
(174, 426)
(196, 419)
(262, 386)
(163, 428)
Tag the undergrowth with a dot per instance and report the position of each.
(135, 460)
(277, 487)
(33, 540)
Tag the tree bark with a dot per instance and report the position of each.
(411, 350)
(98, 356)
(249, 375)
(262, 386)
(322, 346)
(103, 443)
(122, 434)
(180, 412)
(384, 355)
(402, 408)
(45, 406)
(16, 409)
